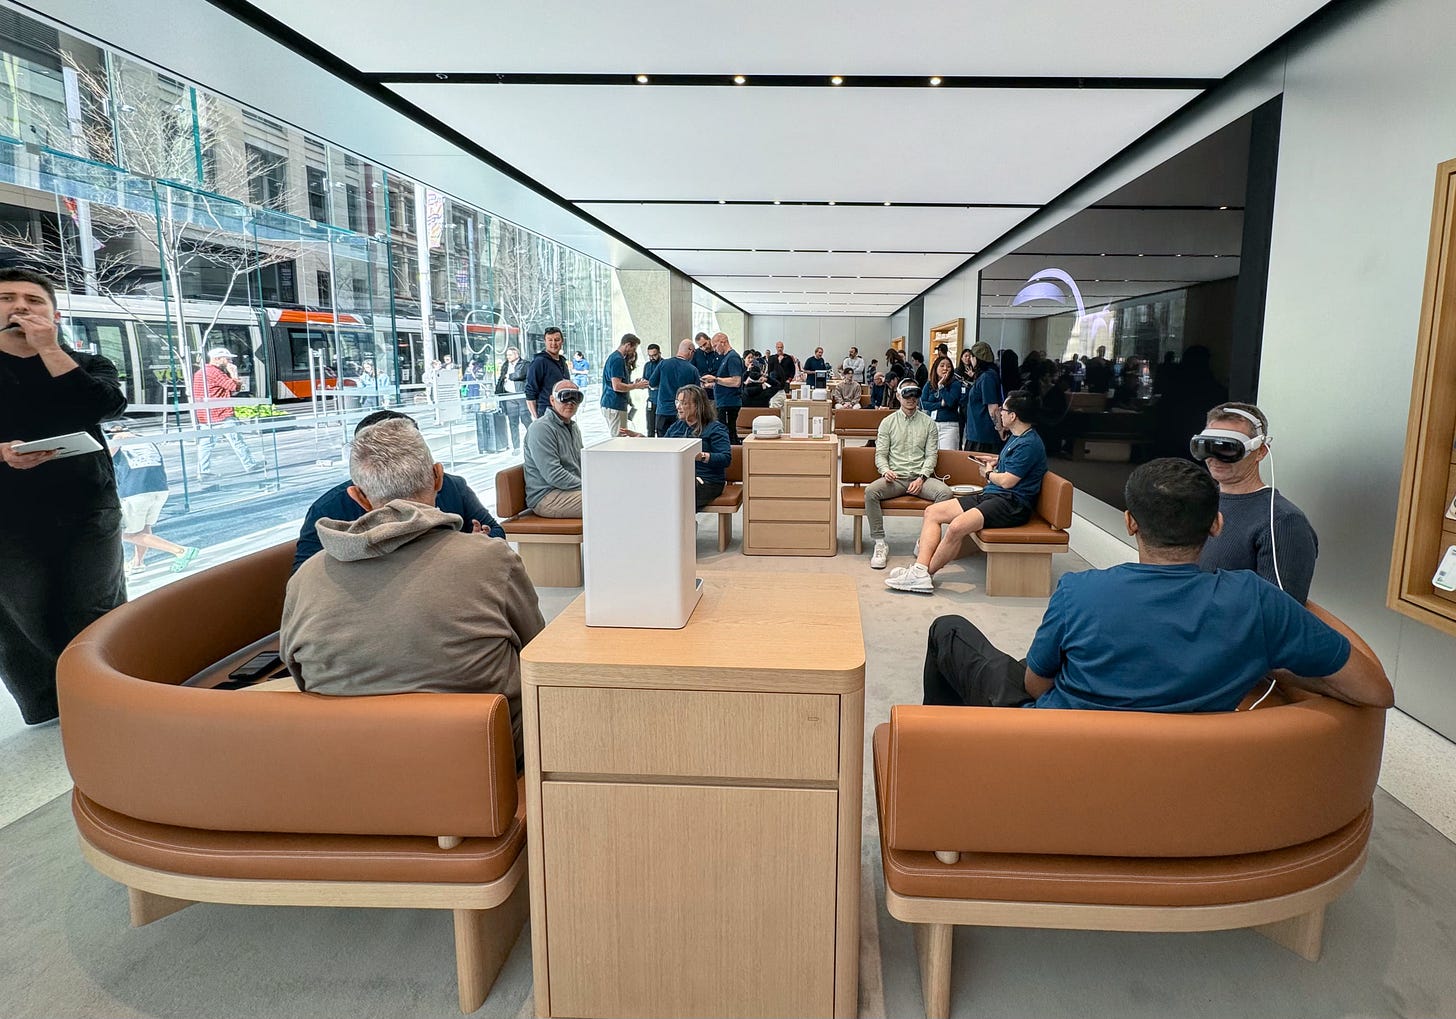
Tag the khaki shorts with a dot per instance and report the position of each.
(138, 512)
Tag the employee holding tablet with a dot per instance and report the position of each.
(60, 522)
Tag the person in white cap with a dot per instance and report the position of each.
(217, 381)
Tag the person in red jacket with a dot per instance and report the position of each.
(217, 381)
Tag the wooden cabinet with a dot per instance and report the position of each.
(1425, 527)
(790, 506)
(952, 334)
(695, 819)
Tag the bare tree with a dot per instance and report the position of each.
(528, 286)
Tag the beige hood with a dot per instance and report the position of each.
(382, 531)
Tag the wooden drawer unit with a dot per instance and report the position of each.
(790, 504)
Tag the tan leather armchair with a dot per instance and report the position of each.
(276, 797)
(1124, 821)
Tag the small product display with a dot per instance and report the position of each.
(1445, 577)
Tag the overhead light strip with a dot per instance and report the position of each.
(825, 203)
(634, 79)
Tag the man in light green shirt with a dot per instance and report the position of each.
(906, 450)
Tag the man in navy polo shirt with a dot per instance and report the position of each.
(1158, 634)
(727, 382)
(675, 373)
(617, 390)
(705, 360)
(338, 503)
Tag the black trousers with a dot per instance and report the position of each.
(59, 577)
(651, 420)
(962, 667)
(706, 493)
(517, 417)
(664, 422)
(729, 417)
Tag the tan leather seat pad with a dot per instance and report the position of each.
(853, 497)
(1035, 531)
(532, 524)
(269, 856)
(1100, 880)
(732, 496)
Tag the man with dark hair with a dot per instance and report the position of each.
(1262, 530)
(60, 523)
(1099, 373)
(705, 360)
(616, 389)
(547, 368)
(1013, 482)
(1158, 634)
(919, 372)
(817, 369)
(342, 502)
(649, 374)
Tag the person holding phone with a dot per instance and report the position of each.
(60, 523)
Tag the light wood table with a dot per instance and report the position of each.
(790, 499)
(694, 810)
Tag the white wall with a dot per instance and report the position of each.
(836, 334)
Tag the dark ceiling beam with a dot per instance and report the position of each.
(791, 80)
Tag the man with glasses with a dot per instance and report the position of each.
(1262, 530)
(907, 447)
(553, 456)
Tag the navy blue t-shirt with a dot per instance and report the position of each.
(730, 365)
(454, 496)
(1143, 637)
(1025, 456)
(615, 368)
(982, 393)
(139, 470)
(715, 444)
(672, 376)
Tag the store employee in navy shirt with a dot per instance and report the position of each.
(727, 383)
(1158, 634)
(454, 496)
(616, 387)
(676, 372)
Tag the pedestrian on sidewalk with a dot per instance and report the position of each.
(141, 481)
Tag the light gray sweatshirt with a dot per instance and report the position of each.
(402, 601)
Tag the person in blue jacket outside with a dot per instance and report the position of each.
(580, 370)
(454, 496)
(696, 420)
(942, 400)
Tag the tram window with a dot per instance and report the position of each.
(107, 338)
(299, 341)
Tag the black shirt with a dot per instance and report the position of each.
(36, 405)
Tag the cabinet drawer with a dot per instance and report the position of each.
(768, 460)
(821, 510)
(772, 487)
(691, 733)
(817, 537)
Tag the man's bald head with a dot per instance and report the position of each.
(685, 350)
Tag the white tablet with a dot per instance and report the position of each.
(74, 444)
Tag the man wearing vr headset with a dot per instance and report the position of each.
(553, 456)
(1262, 530)
(906, 450)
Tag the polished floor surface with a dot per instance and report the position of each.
(1389, 942)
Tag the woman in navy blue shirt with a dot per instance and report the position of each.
(942, 400)
(983, 400)
(695, 420)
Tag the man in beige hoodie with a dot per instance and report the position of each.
(401, 600)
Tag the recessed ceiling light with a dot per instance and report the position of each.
(935, 79)
(836, 80)
(831, 203)
(1102, 254)
(722, 202)
(739, 79)
(1140, 254)
(642, 79)
(1223, 208)
(887, 204)
(777, 202)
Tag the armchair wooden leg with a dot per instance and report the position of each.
(148, 906)
(859, 535)
(1303, 935)
(725, 531)
(932, 945)
(483, 939)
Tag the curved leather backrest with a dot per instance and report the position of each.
(747, 414)
(959, 467)
(1055, 502)
(735, 466)
(510, 491)
(1123, 783)
(857, 465)
(246, 760)
(850, 419)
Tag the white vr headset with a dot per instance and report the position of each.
(1226, 445)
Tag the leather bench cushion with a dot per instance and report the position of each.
(1035, 531)
(852, 498)
(845, 432)
(300, 857)
(732, 496)
(510, 491)
(532, 524)
(1110, 880)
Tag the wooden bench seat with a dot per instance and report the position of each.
(859, 424)
(730, 501)
(550, 547)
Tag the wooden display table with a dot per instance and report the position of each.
(694, 810)
(817, 409)
(789, 498)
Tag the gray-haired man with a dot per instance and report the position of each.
(553, 456)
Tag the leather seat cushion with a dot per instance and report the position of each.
(1104, 880)
(531, 524)
(269, 856)
(853, 497)
(1035, 531)
(732, 496)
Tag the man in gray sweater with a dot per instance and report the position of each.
(1279, 546)
(553, 456)
(401, 600)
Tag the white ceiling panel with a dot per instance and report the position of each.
(1054, 37)
(768, 263)
(800, 144)
(811, 227)
(888, 287)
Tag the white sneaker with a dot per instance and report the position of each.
(917, 579)
(880, 556)
(900, 571)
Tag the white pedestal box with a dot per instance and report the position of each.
(634, 487)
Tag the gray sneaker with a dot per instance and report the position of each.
(880, 556)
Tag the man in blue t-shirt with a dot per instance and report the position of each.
(675, 373)
(340, 503)
(705, 360)
(727, 382)
(1013, 482)
(617, 390)
(1158, 634)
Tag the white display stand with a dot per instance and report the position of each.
(640, 486)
